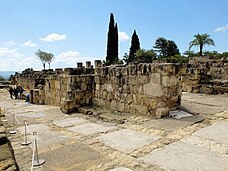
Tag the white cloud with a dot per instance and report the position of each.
(222, 29)
(29, 44)
(12, 60)
(68, 57)
(10, 43)
(5, 52)
(54, 37)
(123, 36)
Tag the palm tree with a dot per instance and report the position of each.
(201, 40)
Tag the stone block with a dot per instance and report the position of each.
(124, 71)
(126, 89)
(206, 89)
(139, 109)
(120, 107)
(88, 64)
(132, 69)
(161, 112)
(152, 90)
(169, 81)
(156, 78)
(97, 63)
(113, 105)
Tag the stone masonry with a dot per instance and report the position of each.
(143, 89)
(205, 75)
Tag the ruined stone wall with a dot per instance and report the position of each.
(204, 75)
(144, 89)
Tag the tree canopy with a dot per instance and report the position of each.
(200, 41)
(165, 47)
(45, 57)
(145, 56)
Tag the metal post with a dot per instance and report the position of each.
(13, 131)
(26, 142)
(37, 161)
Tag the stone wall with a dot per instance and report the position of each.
(144, 89)
(205, 75)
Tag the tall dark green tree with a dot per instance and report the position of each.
(112, 44)
(135, 45)
(116, 44)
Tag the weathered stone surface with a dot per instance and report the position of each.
(153, 90)
(82, 158)
(181, 156)
(69, 122)
(217, 132)
(126, 140)
(90, 128)
(168, 124)
(32, 115)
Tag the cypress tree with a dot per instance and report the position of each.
(115, 55)
(112, 44)
(135, 45)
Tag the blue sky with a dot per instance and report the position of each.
(76, 30)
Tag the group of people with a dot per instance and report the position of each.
(17, 93)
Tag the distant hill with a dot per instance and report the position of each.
(6, 74)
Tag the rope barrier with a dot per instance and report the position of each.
(13, 131)
(17, 120)
(26, 142)
(30, 132)
(35, 157)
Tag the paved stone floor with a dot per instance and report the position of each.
(80, 142)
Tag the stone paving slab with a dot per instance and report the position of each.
(121, 169)
(47, 140)
(75, 157)
(167, 124)
(181, 156)
(69, 122)
(31, 115)
(90, 128)
(38, 128)
(217, 132)
(126, 140)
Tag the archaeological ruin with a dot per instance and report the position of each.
(142, 89)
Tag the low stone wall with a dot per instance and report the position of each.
(144, 89)
(205, 75)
